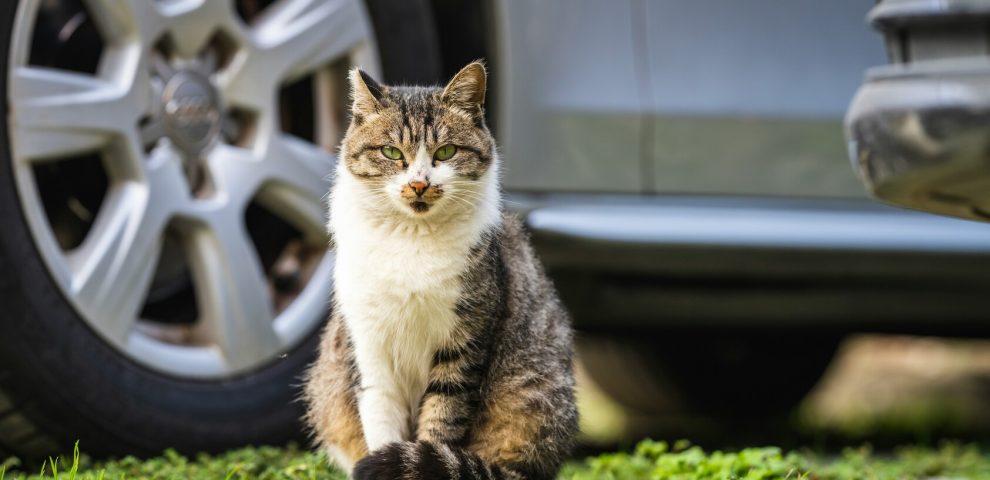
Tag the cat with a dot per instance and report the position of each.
(448, 353)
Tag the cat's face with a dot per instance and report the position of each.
(420, 150)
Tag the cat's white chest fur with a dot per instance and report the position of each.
(397, 287)
(397, 296)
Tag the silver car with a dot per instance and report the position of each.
(680, 165)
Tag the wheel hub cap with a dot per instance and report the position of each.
(191, 112)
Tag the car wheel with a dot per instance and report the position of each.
(163, 241)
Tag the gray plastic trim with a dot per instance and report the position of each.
(893, 14)
(771, 224)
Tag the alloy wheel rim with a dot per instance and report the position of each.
(163, 126)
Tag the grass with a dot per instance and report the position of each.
(657, 460)
(649, 460)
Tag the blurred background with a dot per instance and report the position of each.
(683, 168)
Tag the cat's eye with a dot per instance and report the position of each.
(445, 152)
(391, 152)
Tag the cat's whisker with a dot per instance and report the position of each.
(462, 201)
(473, 199)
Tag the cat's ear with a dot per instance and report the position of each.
(365, 91)
(467, 88)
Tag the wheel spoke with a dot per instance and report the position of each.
(193, 21)
(236, 172)
(112, 270)
(296, 184)
(56, 113)
(163, 172)
(235, 304)
(152, 132)
(126, 19)
(116, 19)
(295, 163)
(301, 165)
(299, 37)
(291, 180)
(300, 211)
(322, 33)
(34, 145)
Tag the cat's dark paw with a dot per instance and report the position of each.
(382, 464)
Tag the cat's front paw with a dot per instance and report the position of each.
(382, 464)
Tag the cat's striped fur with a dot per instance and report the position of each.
(448, 354)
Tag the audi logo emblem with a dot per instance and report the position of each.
(190, 110)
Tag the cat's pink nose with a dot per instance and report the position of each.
(419, 187)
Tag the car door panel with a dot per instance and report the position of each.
(748, 97)
(571, 112)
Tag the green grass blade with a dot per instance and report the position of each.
(75, 462)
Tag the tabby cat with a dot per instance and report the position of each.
(448, 354)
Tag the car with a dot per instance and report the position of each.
(165, 162)
(685, 184)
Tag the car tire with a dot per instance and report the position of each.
(60, 382)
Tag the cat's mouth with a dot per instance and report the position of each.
(423, 200)
(419, 206)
